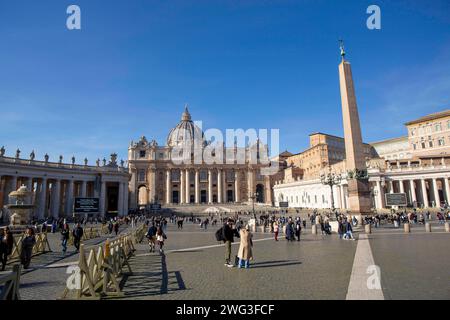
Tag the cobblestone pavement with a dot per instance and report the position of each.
(413, 266)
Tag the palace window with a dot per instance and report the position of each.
(430, 143)
(176, 175)
(438, 127)
(142, 153)
(441, 142)
(423, 145)
(414, 146)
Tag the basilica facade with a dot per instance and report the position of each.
(166, 176)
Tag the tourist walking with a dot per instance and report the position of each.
(160, 237)
(228, 234)
(276, 229)
(290, 230)
(65, 234)
(298, 229)
(116, 227)
(28, 243)
(77, 236)
(6, 245)
(245, 253)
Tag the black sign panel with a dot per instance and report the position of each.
(396, 199)
(87, 205)
(284, 204)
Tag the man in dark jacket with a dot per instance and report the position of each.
(6, 245)
(77, 236)
(228, 233)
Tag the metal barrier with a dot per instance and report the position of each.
(88, 233)
(97, 275)
(10, 283)
(41, 246)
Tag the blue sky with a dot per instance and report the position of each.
(239, 64)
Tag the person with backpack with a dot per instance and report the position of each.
(151, 236)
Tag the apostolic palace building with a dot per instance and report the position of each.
(174, 175)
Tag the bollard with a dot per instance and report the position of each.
(368, 228)
(261, 229)
(447, 227)
(427, 227)
(314, 229)
(407, 227)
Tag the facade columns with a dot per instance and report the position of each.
(251, 184)
(42, 198)
(29, 185)
(120, 208)
(237, 189)
(447, 190)
(56, 195)
(413, 192)
(197, 186)
(153, 185)
(102, 204)
(210, 184)
(182, 186)
(219, 186)
(126, 191)
(168, 186)
(436, 198)
(188, 187)
(424, 193)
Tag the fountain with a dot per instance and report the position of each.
(19, 211)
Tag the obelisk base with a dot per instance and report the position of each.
(359, 201)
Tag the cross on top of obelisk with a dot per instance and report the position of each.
(341, 45)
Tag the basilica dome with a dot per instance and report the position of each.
(185, 131)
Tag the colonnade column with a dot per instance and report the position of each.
(56, 194)
(210, 184)
(413, 192)
(29, 185)
(168, 186)
(120, 208)
(342, 193)
(436, 197)
(102, 205)
(379, 196)
(402, 187)
(126, 192)
(83, 188)
(391, 186)
(197, 186)
(152, 185)
(424, 193)
(219, 185)
(69, 198)
(237, 190)
(42, 198)
(182, 186)
(447, 190)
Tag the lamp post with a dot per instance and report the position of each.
(253, 197)
(331, 179)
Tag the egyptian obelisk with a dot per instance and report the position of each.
(358, 189)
